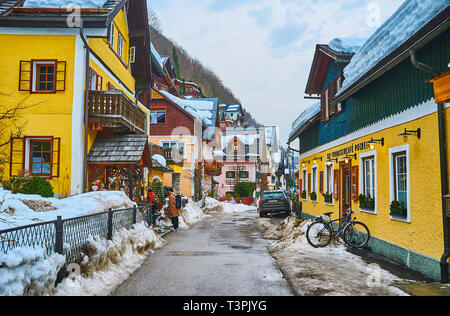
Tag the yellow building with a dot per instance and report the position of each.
(75, 77)
(376, 143)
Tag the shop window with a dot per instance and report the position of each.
(329, 178)
(314, 187)
(355, 183)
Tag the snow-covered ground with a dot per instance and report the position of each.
(324, 271)
(20, 209)
(105, 265)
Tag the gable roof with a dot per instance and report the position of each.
(411, 26)
(324, 53)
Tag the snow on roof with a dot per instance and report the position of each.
(160, 159)
(405, 22)
(199, 108)
(349, 45)
(63, 4)
(157, 56)
(304, 117)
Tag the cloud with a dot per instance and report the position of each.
(263, 50)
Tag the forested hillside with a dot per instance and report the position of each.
(192, 70)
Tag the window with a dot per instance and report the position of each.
(400, 178)
(369, 177)
(231, 175)
(329, 178)
(305, 181)
(45, 77)
(95, 81)
(327, 109)
(244, 174)
(120, 45)
(400, 182)
(314, 181)
(158, 117)
(177, 145)
(42, 76)
(40, 157)
(111, 35)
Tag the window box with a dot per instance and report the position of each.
(328, 198)
(399, 212)
(369, 206)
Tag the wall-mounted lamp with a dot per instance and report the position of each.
(377, 141)
(306, 162)
(417, 133)
(348, 157)
(317, 158)
(333, 160)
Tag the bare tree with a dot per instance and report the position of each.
(10, 127)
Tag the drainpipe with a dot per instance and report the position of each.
(86, 106)
(444, 168)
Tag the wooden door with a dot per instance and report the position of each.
(346, 189)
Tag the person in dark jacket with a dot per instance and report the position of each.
(172, 212)
(152, 199)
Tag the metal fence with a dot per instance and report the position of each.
(69, 236)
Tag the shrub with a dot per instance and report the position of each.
(38, 186)
(244, 189)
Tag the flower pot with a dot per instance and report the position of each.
(370, 206)
(399, 212)
(328, 199)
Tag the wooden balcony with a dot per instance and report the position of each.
(114, 111)
(174, 156)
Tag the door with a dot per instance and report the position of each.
(346, 189)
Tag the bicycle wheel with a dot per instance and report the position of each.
(319, 235)
(356, 235)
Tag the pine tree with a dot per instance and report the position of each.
(176, 63)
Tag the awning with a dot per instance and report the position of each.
(120, 150)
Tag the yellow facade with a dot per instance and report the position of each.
(53, 114)
(423, 233)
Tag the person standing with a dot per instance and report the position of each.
(152, 199)
(172, 212)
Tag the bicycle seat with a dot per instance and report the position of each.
(328, 214)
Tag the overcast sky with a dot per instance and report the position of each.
(263, 49)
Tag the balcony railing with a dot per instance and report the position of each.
(174, 156)
(114, 110)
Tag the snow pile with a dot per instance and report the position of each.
(213, 206)
(304, 117)
(191, 213)
(324, 271)
(28, 272)
(162, 161)
(21, 209)
(349, 45)
(110, 263)
(405, 22)
(64, 4)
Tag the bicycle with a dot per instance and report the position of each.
(355, 234)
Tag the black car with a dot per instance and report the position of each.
(274, 203)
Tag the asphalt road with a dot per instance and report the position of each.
(224, 255)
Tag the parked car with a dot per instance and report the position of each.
(274, 203)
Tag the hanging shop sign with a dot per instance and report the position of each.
(441, 86)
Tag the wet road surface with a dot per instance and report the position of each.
(224, 255)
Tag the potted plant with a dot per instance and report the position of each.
(328, 197)
(398, 209)
(366, 202)
(313, 196)
(304, 195)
